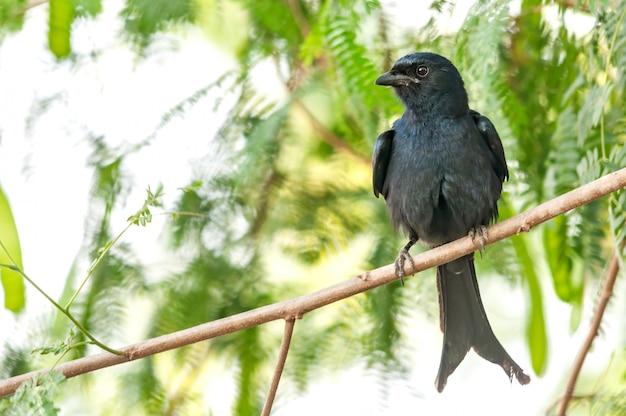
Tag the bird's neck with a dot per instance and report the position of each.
(415, 113)
(439, 107)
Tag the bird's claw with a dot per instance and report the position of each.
(482, 233)
(403, 256)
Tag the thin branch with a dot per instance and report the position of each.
(299, 17)
(65, 311)
(295, 308)
(329, 137)
(92, 268)
(33, 4)
(22, 11)
(280, 365)
(605, 295)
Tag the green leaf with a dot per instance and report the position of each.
(12, 14)
(556, 243)
(60, 27)
(144, 18)
(36, 396)
(12, 280)
(592, 109)
(535, 325)
(88, 7)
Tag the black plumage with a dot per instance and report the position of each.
(440, 169)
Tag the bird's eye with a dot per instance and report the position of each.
(422, 71)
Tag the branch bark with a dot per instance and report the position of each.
(280, 365)
(605, 295)
(296, 307)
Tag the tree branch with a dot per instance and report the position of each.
(280, 365)
(605, 295)
(296, 307)
(330, 138)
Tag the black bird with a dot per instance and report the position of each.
(441, 169)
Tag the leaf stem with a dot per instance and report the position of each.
(95, 264)
(63, 310)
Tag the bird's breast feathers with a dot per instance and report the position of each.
(428, 180)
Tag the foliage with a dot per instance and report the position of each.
(293, 182)
(35, 397)
(10, 254)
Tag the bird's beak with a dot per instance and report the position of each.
(395, 80)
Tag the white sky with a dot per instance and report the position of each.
(43, 172)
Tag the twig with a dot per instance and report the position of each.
(92, 268)
(280, 365)
(605, 295)
(25, 8)
(64, 310)
(32, 5)
(292, 308)
(331, 138)
(299, 17)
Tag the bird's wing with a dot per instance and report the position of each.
(492, 139)
(380, 160)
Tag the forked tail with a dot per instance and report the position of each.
(464, 322)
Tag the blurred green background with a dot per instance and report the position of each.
(257, 120)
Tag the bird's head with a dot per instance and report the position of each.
(427, 82)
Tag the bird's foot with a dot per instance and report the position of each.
(403, 256)
(482, 233)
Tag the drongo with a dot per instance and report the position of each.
(440, 169)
